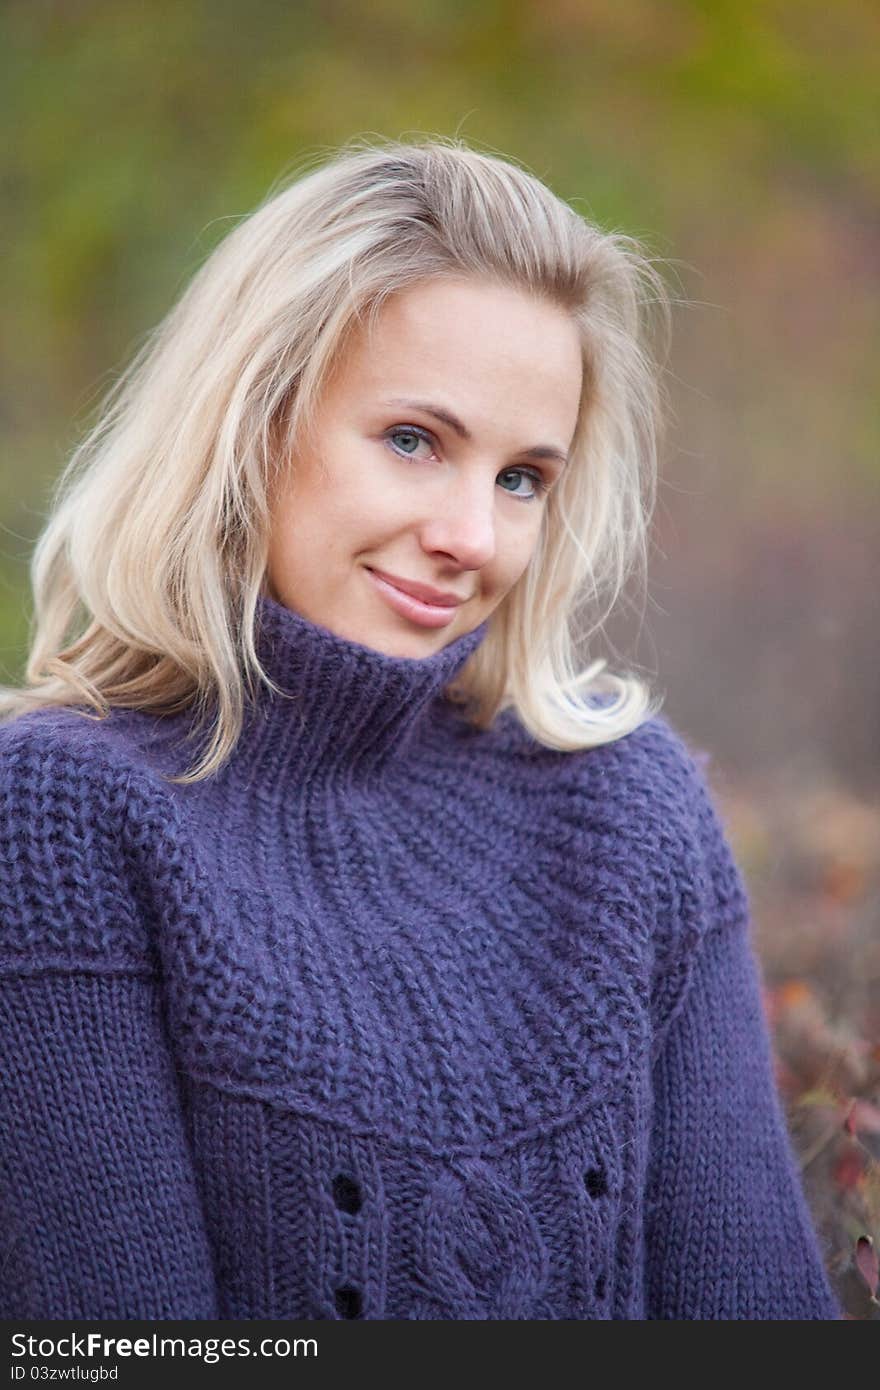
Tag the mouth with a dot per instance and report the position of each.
(417, 610)
(423, 592)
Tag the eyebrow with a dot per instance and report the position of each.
(537, 451)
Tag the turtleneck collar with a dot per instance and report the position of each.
(349, 710)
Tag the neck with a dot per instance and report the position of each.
(348, 711)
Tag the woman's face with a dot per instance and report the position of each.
(385, 485)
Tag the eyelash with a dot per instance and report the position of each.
(541, 485)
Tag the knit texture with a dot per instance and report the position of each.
(390, 1018)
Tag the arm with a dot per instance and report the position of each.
(99, 1212)
(728, 1231)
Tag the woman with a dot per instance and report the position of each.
(361, 956)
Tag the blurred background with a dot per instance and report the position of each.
(740, 142)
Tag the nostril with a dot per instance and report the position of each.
(346, 1193)
(595, 1182)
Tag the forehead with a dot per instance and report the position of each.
(489, 345)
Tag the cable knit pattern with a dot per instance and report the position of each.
(390, 1018)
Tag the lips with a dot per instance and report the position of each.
(411, 608)
(423, 592)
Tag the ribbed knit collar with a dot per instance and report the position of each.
(352, 711)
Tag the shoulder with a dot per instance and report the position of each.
(649, 790)
(125, 737)
(698, 885)
(643, 811)
(662, 783)
(685, 790)
(652, 783)
(59, 761)
(79, 805)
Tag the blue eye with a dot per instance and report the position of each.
(417, 436)
(540, 484)
(408, 432)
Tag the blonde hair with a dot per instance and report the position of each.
(155, 550)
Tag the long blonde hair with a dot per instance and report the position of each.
(147, 573)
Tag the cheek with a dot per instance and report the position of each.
(521, 548)
(315, 505)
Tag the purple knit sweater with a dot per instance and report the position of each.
(391, 1018)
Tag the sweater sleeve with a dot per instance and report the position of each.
(99, 1212)
(728, 1232)
(100, 1215)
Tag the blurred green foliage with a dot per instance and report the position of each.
(739, 141)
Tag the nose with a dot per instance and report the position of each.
(463, 523)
